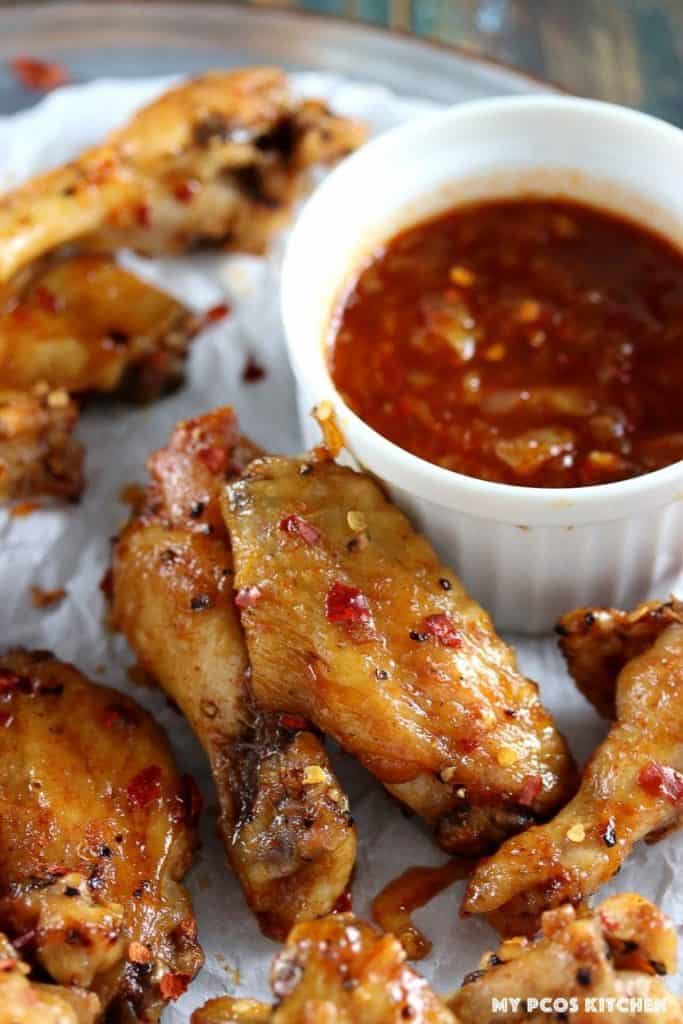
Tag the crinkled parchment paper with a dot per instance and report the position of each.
(69, 547)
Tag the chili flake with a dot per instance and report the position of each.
(172, 986)
(145, 787)
(531, 788)
(346, 604)
(39, 75)
(214, 458)
(216, 313)
(247, 597)
(660, 780)
(292, 723)
(297, 526)
(443, 629)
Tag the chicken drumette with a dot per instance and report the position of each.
(284, 818)
(96, 832)
(603, 967)
(353, 623)
(632, 787)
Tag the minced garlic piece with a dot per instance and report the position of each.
(314, 774)
(448, 774)
(576, 834)
(356, 521)
(507, 756)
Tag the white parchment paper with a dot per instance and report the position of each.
(69, 547)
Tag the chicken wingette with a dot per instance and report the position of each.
(632, 787)
(284, 818)
(96, 833)
(353, 622)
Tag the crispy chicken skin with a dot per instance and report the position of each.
(631, 790)
(355, 625)
(341, 971)
(95, 835)
(38, 453)
(617, 952)
(23, 1001)
(219, 159)
(337, 971)
(86, 325)
(597, 643)
(284, 819)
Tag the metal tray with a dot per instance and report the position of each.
(127, 39)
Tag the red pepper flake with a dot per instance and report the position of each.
(185, 191)
(172, 986)
(5, 719)
(530, 789)
(468, 744)
(297, 526)
(9, 680)
(253, 371)
(190, 801)
(56, 871)
(346, 604)
(443, 629)
(292, 723)
(143, 216)
(216, 313)
(145, 787)
(247, 597)
(215, 459)
(39, 75)
(47, 300)
(344, 904)
(660, 780)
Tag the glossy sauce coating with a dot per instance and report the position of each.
(533, 342)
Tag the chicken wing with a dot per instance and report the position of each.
(23, 1001)
(337, 970)
(603, 967)
(597, 643)
(95, 835)
(86, 325)
(632, 789)
(284, 818)
(353, 623)
(600, 964)
(216, 160)
(38, 453)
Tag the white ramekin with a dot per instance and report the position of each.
(528, 554)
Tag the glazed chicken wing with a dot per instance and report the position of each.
(86, 325)
(217, 160)
(23, 1001)
(338, 970)
(284, 818)
(38, 453)
(606, 966)
(632, 789)
(95, 836)
(591, 961)
(353, 623)
(597, 643)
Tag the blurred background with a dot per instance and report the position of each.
(627, 51)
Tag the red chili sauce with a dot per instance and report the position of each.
(528, 341)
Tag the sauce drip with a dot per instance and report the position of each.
(393, 906)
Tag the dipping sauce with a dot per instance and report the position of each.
(527, 341)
